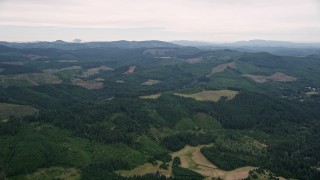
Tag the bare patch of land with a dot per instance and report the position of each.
(130, 70)
(153, 96)
(16, 110)
(278, 77)
(96, 70)
(150, 82)
(210, 95)
(194, 60)
(222, 67)
(192, 158)
(256, 78)
(87, 84)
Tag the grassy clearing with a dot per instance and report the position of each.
(150, 82)
(153, 96)
(210, 95)
(199, 121)
(87, 84)
(161, 133)
(205, 121)
(62, 69)
(192, 158)
(185, 124)
(147, 168)
(148, 146)
(117, 151)
(53, 173)
(31, 79)
(15, 110)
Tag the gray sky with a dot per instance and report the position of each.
(203, 20)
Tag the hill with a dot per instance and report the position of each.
(91, 113)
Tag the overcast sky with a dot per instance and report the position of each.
(202, 20)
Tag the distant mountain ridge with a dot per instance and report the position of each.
(250, 43)
(59, 44)
(282, 48)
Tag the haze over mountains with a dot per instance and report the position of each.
(59, 44)
(274, 47)
(251, 43)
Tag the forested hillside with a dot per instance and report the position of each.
(132, 110)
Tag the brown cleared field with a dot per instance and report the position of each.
(280, 77)
(277, 77)
(153, 96)
(15, 110)
(256, 78)
(130, 70)
(222, 67)
(150, 82)
(192, 158)
(31, 79)
(96, 70)
(147, 168)
(194, 60)
(210, 95)
(87, 84)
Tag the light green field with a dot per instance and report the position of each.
(150, 82)
(205, 121)
(147, 168)
(148, 146)
(15, 110)
(53, 173)
(31, 79)
(210, 95)
(153, 96)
